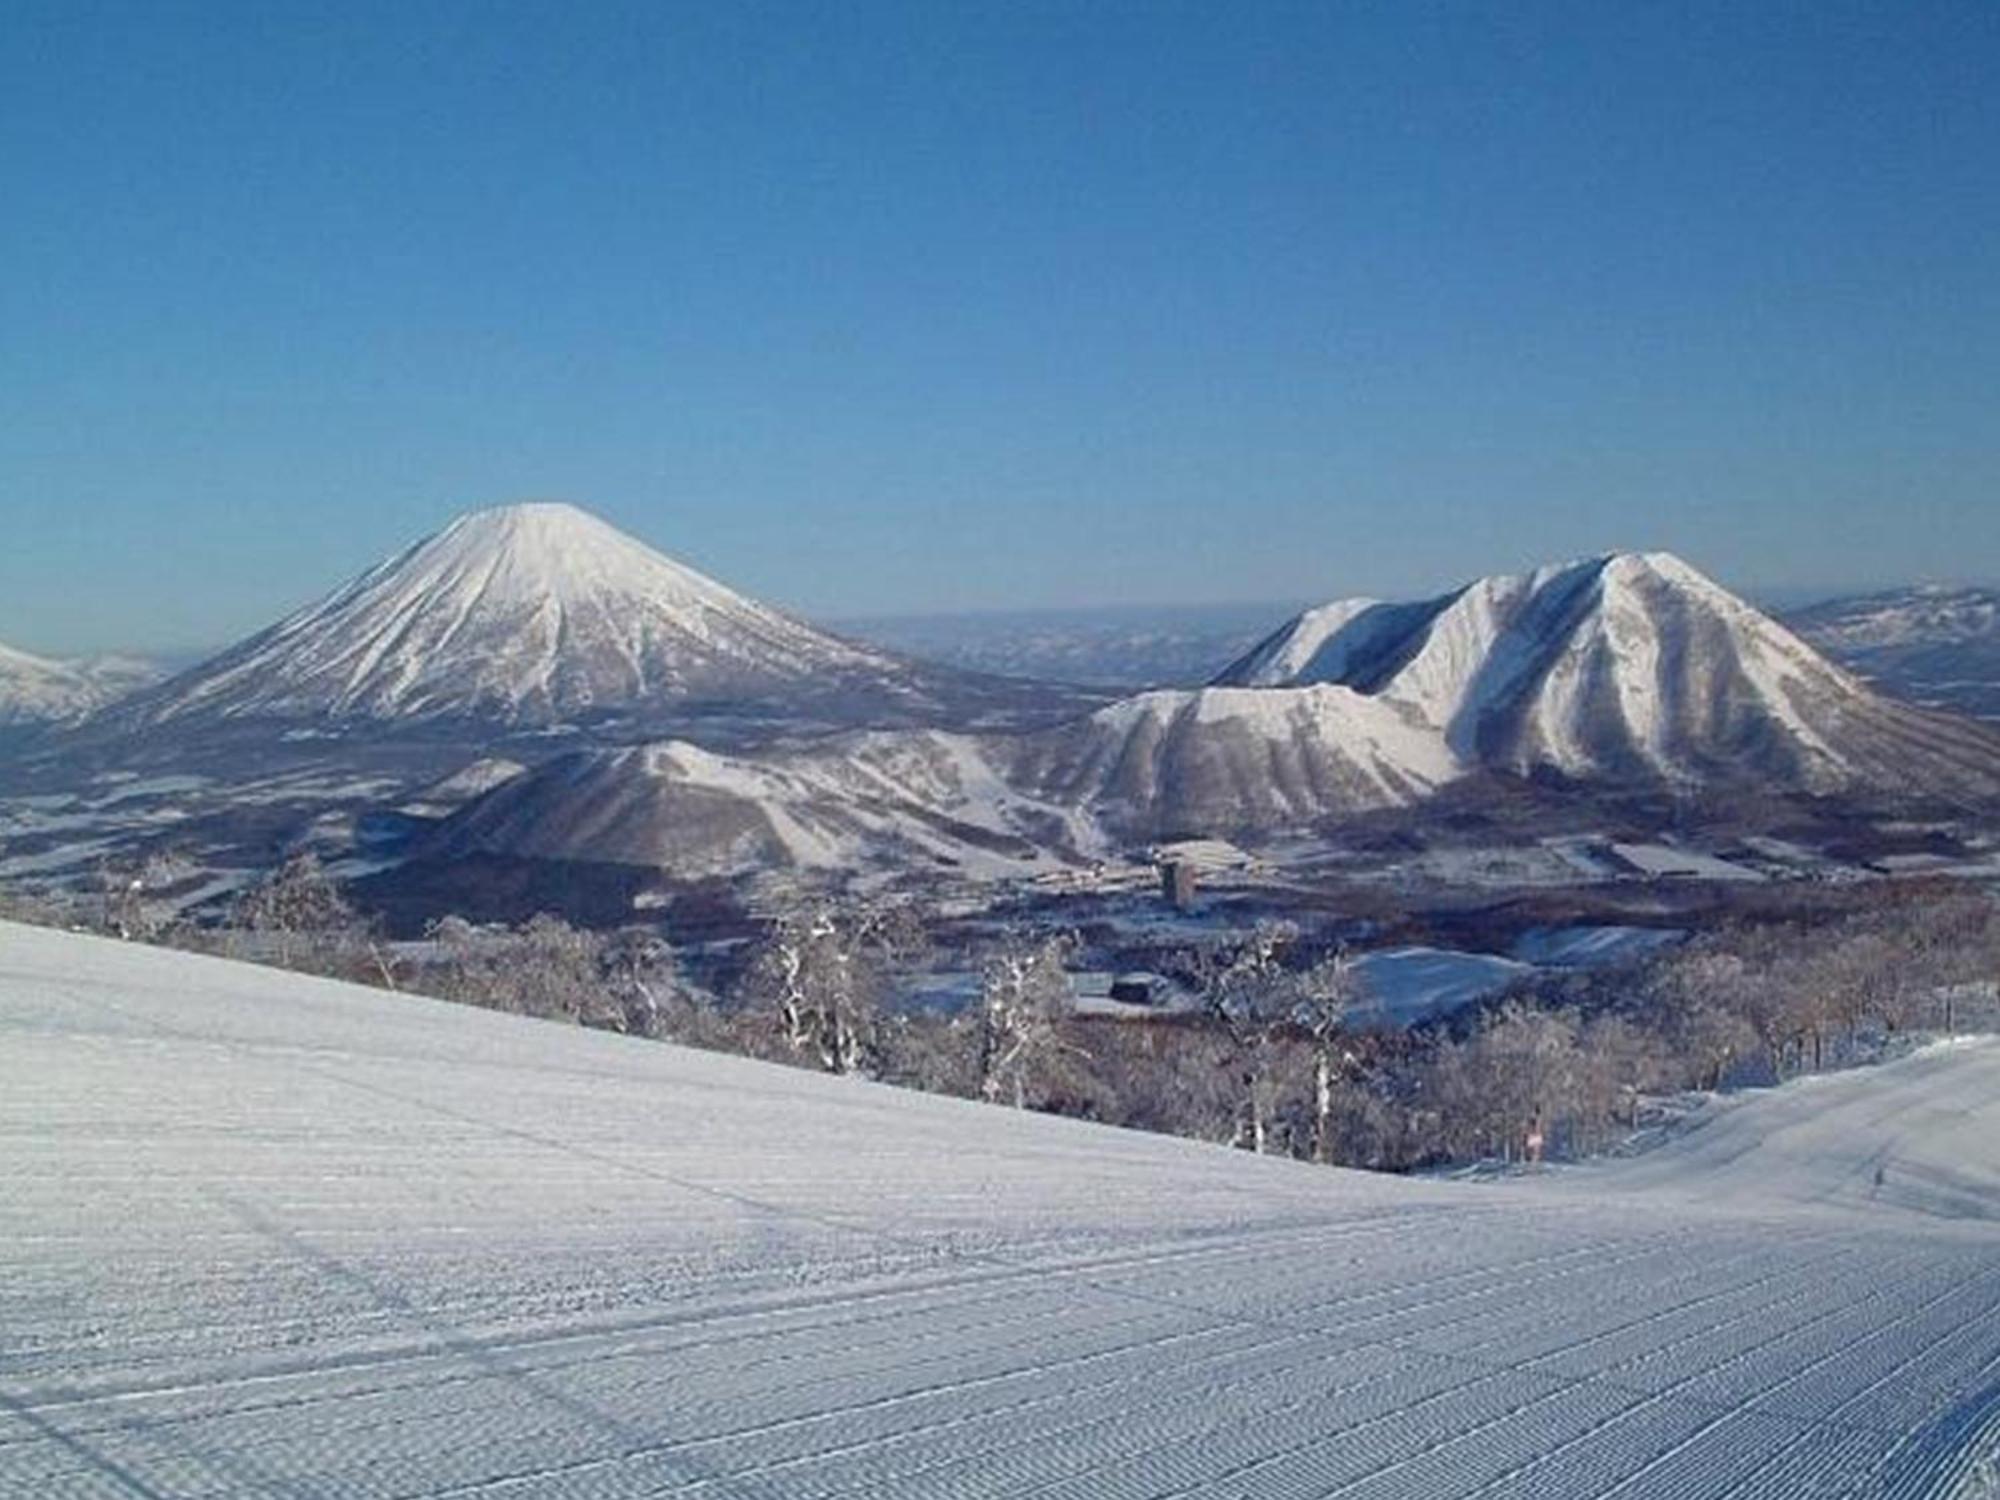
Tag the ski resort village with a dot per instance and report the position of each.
(1051, 750)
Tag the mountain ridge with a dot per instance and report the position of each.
(1932, 644)
(38, 690)
(1617, 664)
(1614, 671)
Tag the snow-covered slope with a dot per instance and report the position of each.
(1619, 667)
(1914, 1135)
(1630, 664)
(1931, 644)
(1223, 759)
(1923, 615)
(36, 689)
(449, 793)
(918, 799)
(267, 1235)
(525, 615)
(1162, 762)
(1616, 668)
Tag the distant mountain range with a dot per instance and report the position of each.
(1931, 644)
(531, 615)
(1617, 671)
(1934, 645)
(587, 672)
(39, 689)
(1117, 646)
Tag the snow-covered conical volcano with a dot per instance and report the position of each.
(524, 615)
(1626, 664)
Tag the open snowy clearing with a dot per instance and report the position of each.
(267, 1235)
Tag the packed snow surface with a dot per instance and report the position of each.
(268, 1235)
(1407, 985)
(1911, 1136)
(1592, 946)
(1674, 860)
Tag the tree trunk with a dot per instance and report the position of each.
(1322, 1108)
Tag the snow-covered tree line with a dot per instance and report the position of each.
(1284, 1054)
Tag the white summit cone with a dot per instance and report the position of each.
(525, 615)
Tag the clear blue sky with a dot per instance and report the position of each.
(868, 307)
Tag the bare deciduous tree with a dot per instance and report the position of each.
(298, 910)
(1248, 993)
(1024, 999)
(825, 973)
(134, 893)
(554, 969)
(1326, 1001)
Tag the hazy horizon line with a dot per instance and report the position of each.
(1777, 599)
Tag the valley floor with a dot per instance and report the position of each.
(261, 1234)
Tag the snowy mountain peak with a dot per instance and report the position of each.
(1628, 668)
(547, 551)
(527, 615)
(1623, 663)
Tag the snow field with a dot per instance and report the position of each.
(267, 1235)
